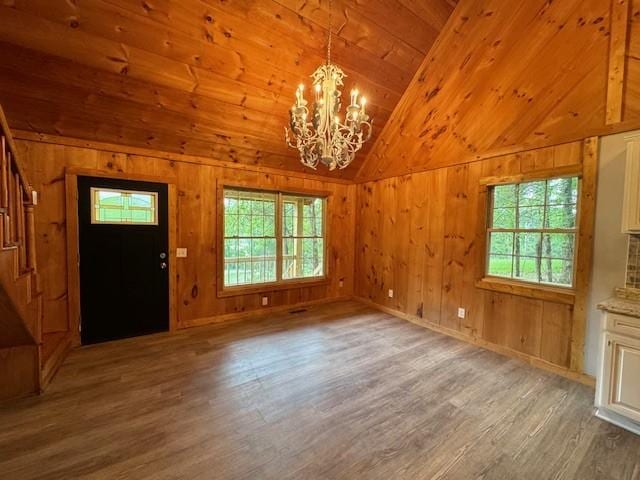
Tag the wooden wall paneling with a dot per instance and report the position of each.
(454, 245)
(388, 206)
(473, 298)
(401, 243)
(631, 88)
(167, 167)
(447, 219)
(419, 196)
(557, 320)
(195, 229)
(432, 279)
(620, 10)
(72, 276)
(585, 250)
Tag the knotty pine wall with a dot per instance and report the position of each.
(197, 302)
(419, 235)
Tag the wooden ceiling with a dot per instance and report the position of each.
(204, 77)
(503, 76)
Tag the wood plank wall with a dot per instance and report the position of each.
(197, 302)
(422, 236)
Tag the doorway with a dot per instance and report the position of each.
(124, 261)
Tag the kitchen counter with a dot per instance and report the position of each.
(621, 306)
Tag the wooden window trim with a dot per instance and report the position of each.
(527, 289)
(541, 291)
(280, 284)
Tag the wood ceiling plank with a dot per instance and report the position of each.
(499, 76)
(199, 75)
(274, 66)
(282, 44)
(352, 29)
(370, 16)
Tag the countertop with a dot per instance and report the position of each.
(621, 306)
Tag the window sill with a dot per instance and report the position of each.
(273, 287)
(565, 296)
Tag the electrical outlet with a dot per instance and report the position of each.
(462, 313)
(181, 253)
(390, 293)
(265, 301)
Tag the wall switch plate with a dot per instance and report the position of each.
(390, 293)
(181, 252)
(265, 301)
(462, 313)
(341, 283)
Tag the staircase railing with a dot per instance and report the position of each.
(17, 232)
(16, 203)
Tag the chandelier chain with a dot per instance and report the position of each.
(330, 33)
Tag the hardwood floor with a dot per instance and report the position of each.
(337, 392)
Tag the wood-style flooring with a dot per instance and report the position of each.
(337, 392)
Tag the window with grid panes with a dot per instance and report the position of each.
(532, 231)
(272, 237)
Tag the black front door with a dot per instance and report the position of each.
(124, 280)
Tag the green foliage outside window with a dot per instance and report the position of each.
(251, 237)
(533, 231)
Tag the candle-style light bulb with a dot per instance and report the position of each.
(363, 103)
(354, 96)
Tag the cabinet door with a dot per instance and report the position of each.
(631, 207)
(621, 380)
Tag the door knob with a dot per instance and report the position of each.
(163, 256)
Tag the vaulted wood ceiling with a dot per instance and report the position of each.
(203, 77)
(505, 75)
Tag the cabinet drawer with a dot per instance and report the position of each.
(623, 325)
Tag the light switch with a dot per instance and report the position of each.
(181, 252)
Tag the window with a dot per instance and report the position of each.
(532, 231)
(111, 206)
(271, 237)
(303, 239)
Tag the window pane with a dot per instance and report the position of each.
(561, 216)
(557, 271)
(502, 243)
(504, 196)
(530, 217)
(528, 244)
(249, 230)
(531, 194)
(527, 268)
(562, 191)
(558, 245)
(500, 265)
(302, 243)
(504, 218)
(113, 206)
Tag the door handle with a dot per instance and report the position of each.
(163, 265)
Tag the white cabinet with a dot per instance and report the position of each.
(631, 206)
(618, 392)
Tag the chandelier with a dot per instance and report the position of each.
(323, 137)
